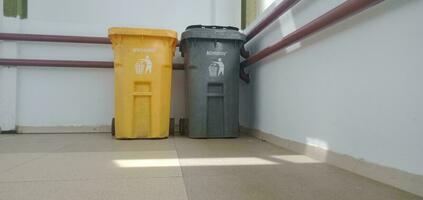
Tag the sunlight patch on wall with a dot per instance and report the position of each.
(317, 143)
(287, 24)
(264, 4)
(316, 148)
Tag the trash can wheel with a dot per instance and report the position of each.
(113, 126)
(183, 126)
(172, 126)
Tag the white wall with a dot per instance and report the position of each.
(51, 97)
(355, 88)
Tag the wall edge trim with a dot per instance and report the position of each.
(64, 129)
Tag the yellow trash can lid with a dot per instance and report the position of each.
(143, 31)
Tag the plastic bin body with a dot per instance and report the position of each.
(212, 57)
(143, 75)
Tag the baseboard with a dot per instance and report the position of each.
(8, 132)
(66, 129)
(63, 129)
(409, 182)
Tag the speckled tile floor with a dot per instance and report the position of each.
(95, 166)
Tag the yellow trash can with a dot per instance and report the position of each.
(143, 75)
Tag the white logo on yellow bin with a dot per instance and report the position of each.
(143, 66)
(139, 50)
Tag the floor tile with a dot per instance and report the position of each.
(112, 189)
(107, 143)
(94, 165)
(3, 135)
(249, 168)
(11, 160)
(34, 143)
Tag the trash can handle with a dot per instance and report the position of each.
(242, 74)
(213, 27)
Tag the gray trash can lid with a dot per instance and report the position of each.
(212, 32)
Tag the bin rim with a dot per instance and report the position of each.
(143, 32)
(212, 32)
(212, 27)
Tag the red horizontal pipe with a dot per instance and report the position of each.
(279, 10)
(55, 63)
(342, 11)
(65, 63)
(54, 38)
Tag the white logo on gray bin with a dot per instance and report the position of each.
(216, 53)
(216, 68)
(143, 66)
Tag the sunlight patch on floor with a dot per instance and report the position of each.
(295, 158)
(195, 162)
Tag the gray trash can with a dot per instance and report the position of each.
(212, 56)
